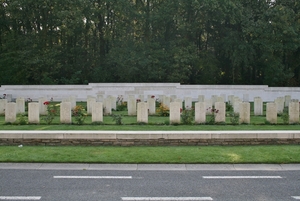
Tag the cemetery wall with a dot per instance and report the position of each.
(81, 92)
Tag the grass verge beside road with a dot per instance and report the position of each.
(275, 154)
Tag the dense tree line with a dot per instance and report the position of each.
(186, 41)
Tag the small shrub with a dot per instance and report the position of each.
(163, 110)
(80, 114)
(234, 118)
(22, 119)
(52, 111)
(117, 119)
(187, 116)
(229, 107)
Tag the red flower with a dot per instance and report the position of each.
(180, 110)
(138, 100)
(46, 103)
(152, 96)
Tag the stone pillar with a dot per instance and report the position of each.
(142, 112)
(187, 103)
(294, 112)
(244, 113)
(271, 113)
(131, 105)
(43, 108)
(97, 112)
(65, 113)
(220, 115)
(3, 103)
(201, 98)
(20, 105)
(107, 106)
(151, 104)
(200, 113)
(89, 104)
(10, 112)
(33, 113)
(258, 106)
(175, 113)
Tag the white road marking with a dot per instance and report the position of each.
(20, 198)
(296, 197)
(92, 177)
(165, 198)
(242, 177)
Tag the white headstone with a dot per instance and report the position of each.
(20, 105)
(10, 112)
(294, 112)
(258, 106)
(89, 104)
(107, 106)
(151, 104)
(200, 113)
(2, 106)
(97, 112)
(220, 112)
(188, 103)
(65, 113)
(131, 105)
(43, 107)
(244, 113)
(201, 98)
(175, 113)
(142, 112)
(33, 113)
(271, 113)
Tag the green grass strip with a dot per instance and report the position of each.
(275, 154)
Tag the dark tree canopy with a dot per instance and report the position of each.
(186, 41)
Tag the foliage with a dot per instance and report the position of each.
(234, 118)
(52, 111)
(285, 116)
(191, 42)
(22, 119)
(187, 116)
(79, 113)
(163, 110)
(117, 118)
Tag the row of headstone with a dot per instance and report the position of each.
(132, 105)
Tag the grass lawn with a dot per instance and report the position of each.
(181, 154)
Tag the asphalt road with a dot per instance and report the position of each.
(152, 184)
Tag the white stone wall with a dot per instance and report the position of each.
(59, 92)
